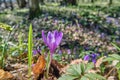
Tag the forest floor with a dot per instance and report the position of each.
(78, 38)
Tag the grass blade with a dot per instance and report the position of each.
(30, 44)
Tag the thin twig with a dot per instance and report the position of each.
(110, 72)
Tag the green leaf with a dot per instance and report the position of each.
(84, 78)
(30, 45)
(73, 70)
(66, 77)
(79, 69)
(0, 38)
(89, 66)
(89, 76)
(118, 65)
(116, 46)
(5, 26)
(82, 68)
(116, 56)
(74, 73)
(112, 57)
(118, 69)
(20, 42)
(118, 74)
(97, 76)
(109, 59)
(93, 76)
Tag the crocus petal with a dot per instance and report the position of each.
(44, 38)
(87, 58)
(54, 46)
(50, 38)
(51, 41)
(58, 37)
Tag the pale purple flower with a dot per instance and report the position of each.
(116, 22)
(52, 40)
(102, 35)
(87, 57)
(60, 52)
(68, 51)
(56, 21)
(94, 57)
(91, 57)
(108, 20)
(36, 52)
(33, 65)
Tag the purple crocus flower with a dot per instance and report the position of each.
(52, 40)
(91, 57)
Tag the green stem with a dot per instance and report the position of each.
(3, 54)
(49, 63)
(3, 51)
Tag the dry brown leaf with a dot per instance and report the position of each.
(55, 68)
(4, 75)
(99, 62)
(77, 61)
(94, 71)
(39, 67)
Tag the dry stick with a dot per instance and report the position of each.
(110, 72)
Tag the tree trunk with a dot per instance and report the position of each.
(41, 2)
(0, 2)
(11, 5)
(92, 1)
(110, 2)
(69, 2)
(74, 2)
(5, 3)
(21, 3)
(34, 8)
